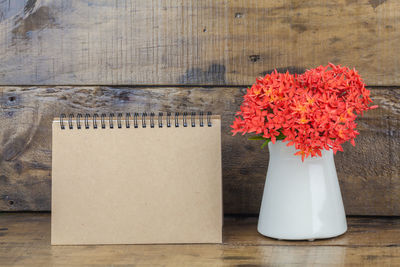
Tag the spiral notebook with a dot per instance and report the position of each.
(136, 179)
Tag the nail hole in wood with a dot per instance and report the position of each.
(254, 58)
(238, 15)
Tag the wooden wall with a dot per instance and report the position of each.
(89, 56)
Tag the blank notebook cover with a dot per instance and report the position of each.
(134, 180)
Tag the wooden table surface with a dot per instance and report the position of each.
(370, 241)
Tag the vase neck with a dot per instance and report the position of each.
(280, 150)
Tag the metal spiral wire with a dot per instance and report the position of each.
(139, 120)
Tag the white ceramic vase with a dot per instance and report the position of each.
(301, 200)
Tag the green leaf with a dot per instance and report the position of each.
(258, 137)
(280, 137)
(265, 143)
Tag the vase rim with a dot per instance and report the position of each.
(282, 146)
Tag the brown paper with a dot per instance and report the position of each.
(136, 185)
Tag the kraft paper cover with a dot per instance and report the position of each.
(137, 185)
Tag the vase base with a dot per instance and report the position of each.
(304, 237)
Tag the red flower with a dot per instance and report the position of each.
(312, 111)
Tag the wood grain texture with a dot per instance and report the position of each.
(25, 241)
(46, 42)
(362, 232)
(368, 173)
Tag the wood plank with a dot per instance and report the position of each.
(369, 172)
(25, 241)
(193, 42)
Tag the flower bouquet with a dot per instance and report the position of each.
(312, 111)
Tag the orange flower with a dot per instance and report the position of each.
(312, 111)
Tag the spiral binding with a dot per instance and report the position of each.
(142, 117)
